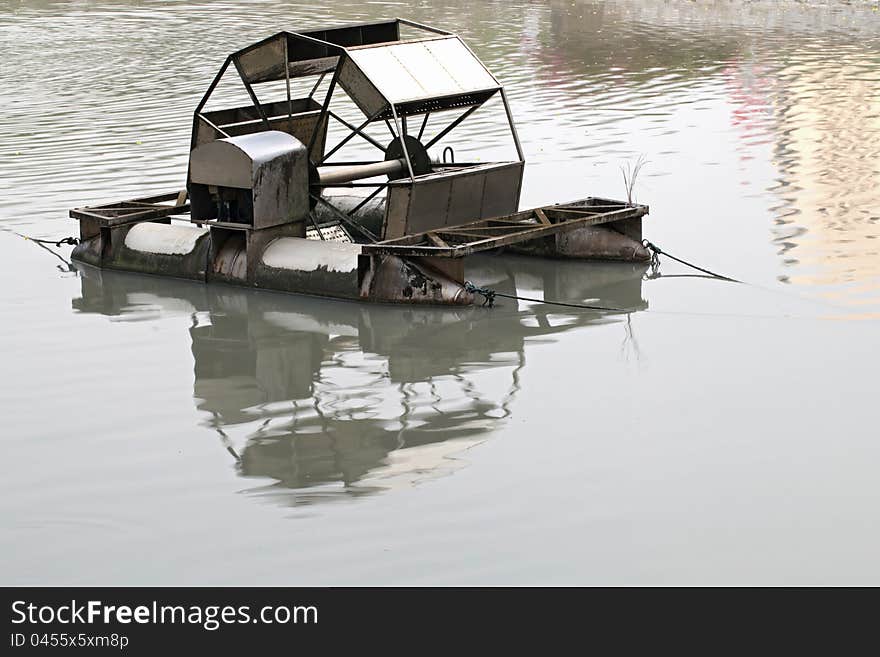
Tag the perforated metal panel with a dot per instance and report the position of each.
(416, 72)
(330, 232)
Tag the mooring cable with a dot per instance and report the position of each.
(73, 241)
(489, 294)
(656, 252)
(43, 245)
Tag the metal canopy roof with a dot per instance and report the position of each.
(308, 53)
(413, 74)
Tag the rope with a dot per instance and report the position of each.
(489, 295)
(73, 241)
(656, 252)
(42, 244)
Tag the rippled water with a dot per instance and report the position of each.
(163, 432)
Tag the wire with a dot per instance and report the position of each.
(489, 294)
(42, 244)
(656, 252)
(73, 241)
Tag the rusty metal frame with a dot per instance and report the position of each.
(198, 112)
(317, 84)
(357, 184)
(424, 125)
(348, 164)
(369, 198)
(422, 26)
(345, 219)
(519, 150)
(339, 51)
(452, 125)
(325, 107)
(145, 208)
(256, 101)
(212, 125)
(400, 135)
(287, 84)
(487, 234)
(359, 131)
(444, 242)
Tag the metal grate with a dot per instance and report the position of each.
(331, 233)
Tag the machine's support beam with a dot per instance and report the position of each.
(424, 125)
(252, 94)
(287, 83)
(422, 26)
(369, 198)
(400, 135)
(451, 126)
(204, 100)
(519, 150)
(324, 108)
(354, 131)
(390, 129)
(317, 84)
(344, 218)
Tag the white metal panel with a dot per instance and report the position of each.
(164, 239)
(421, 70)
(299, 254)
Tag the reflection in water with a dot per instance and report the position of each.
(313, 394)
(828, 149)
(802, 84)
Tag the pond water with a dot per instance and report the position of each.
(159, 432)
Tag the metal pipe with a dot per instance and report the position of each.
(343, 174)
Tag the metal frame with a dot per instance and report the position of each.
(343, 218)
(448, 242)
(145, 208)
(324, 109)
(452, 125)
(422, 26)
(398, 114)
(252, 94)
(359, 131)
(396, 123)
(487, 234)
(400, 135)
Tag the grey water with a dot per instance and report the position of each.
(159, 432)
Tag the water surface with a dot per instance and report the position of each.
(161, 432)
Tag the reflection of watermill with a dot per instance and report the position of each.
(313, 395)
(349, 401)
